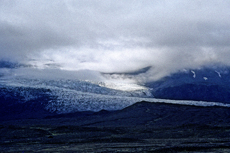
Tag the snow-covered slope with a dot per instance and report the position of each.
(69, 95)
(205, 84)
(30, 90)
(65, 96)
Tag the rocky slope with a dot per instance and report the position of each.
(205, 84)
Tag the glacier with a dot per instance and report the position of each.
(68, 95)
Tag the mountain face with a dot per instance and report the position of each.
(23, 96)
(38, 97)
(206, 84)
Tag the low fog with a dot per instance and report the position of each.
(115, 36)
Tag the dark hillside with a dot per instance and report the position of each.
(142, 127)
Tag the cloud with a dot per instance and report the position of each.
(116, 36)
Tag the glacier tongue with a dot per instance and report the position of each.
(72, 101)
(78, 95)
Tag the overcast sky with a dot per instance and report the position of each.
(116, 35)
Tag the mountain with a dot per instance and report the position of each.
(37, 98)
(23, 95)
(149, 114)
(33, 98)
(66, 115)
(21, 102)
(208, 83)
(205, 84)
(8, 64)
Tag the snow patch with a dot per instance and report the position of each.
(194, 74)
(218, 73)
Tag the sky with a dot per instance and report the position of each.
(116, 36)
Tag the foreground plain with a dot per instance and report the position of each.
(142, 127)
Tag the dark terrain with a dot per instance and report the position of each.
(205, 84)
(142, 127)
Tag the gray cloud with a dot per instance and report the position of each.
(116, 36)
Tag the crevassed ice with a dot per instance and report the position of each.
(73, 96)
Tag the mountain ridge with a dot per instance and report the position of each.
(205, 84)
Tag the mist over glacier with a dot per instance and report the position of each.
(121, 36)
(105, 54)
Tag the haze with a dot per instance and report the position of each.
(116, 36)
